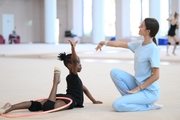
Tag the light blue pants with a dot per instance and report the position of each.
(139, 101)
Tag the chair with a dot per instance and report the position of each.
(2, 40)
(16, 40)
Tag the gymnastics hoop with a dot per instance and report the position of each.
(40, 113)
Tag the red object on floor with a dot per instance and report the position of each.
(2, 40)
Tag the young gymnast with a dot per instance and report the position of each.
(74, 91)
(172, 32)
(141, 91)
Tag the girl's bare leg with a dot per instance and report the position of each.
(175, 40)
(8, 107)
(56, 81)
(52, 95)
(22, 105)
(26, 104)
(169, 38)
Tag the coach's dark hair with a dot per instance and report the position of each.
(65, 58)
(152, 25)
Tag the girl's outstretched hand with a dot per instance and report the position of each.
(99, 46)
(97, 102)
(73, 44)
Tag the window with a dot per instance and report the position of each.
(164, 24)
(144, 9)
(110, 17)
(87, 17)
(139, 9)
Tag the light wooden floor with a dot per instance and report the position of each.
(27, 70)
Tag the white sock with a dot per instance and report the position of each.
(156, 106)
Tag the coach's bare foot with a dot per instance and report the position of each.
(57, 72)
(5, 108)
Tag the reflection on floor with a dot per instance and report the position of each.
(123, 61)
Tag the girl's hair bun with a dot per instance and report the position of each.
(62, 56)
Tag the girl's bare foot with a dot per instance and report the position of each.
(57, 72)
(167, 54)
(174, 53)
(5, 108)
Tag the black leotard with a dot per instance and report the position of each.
(172, 30)
(74, 91)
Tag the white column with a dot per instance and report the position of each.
(154, 12)
(50, 7)
(98, 33)
(122, 19)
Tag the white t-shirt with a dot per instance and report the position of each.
(145, 58)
